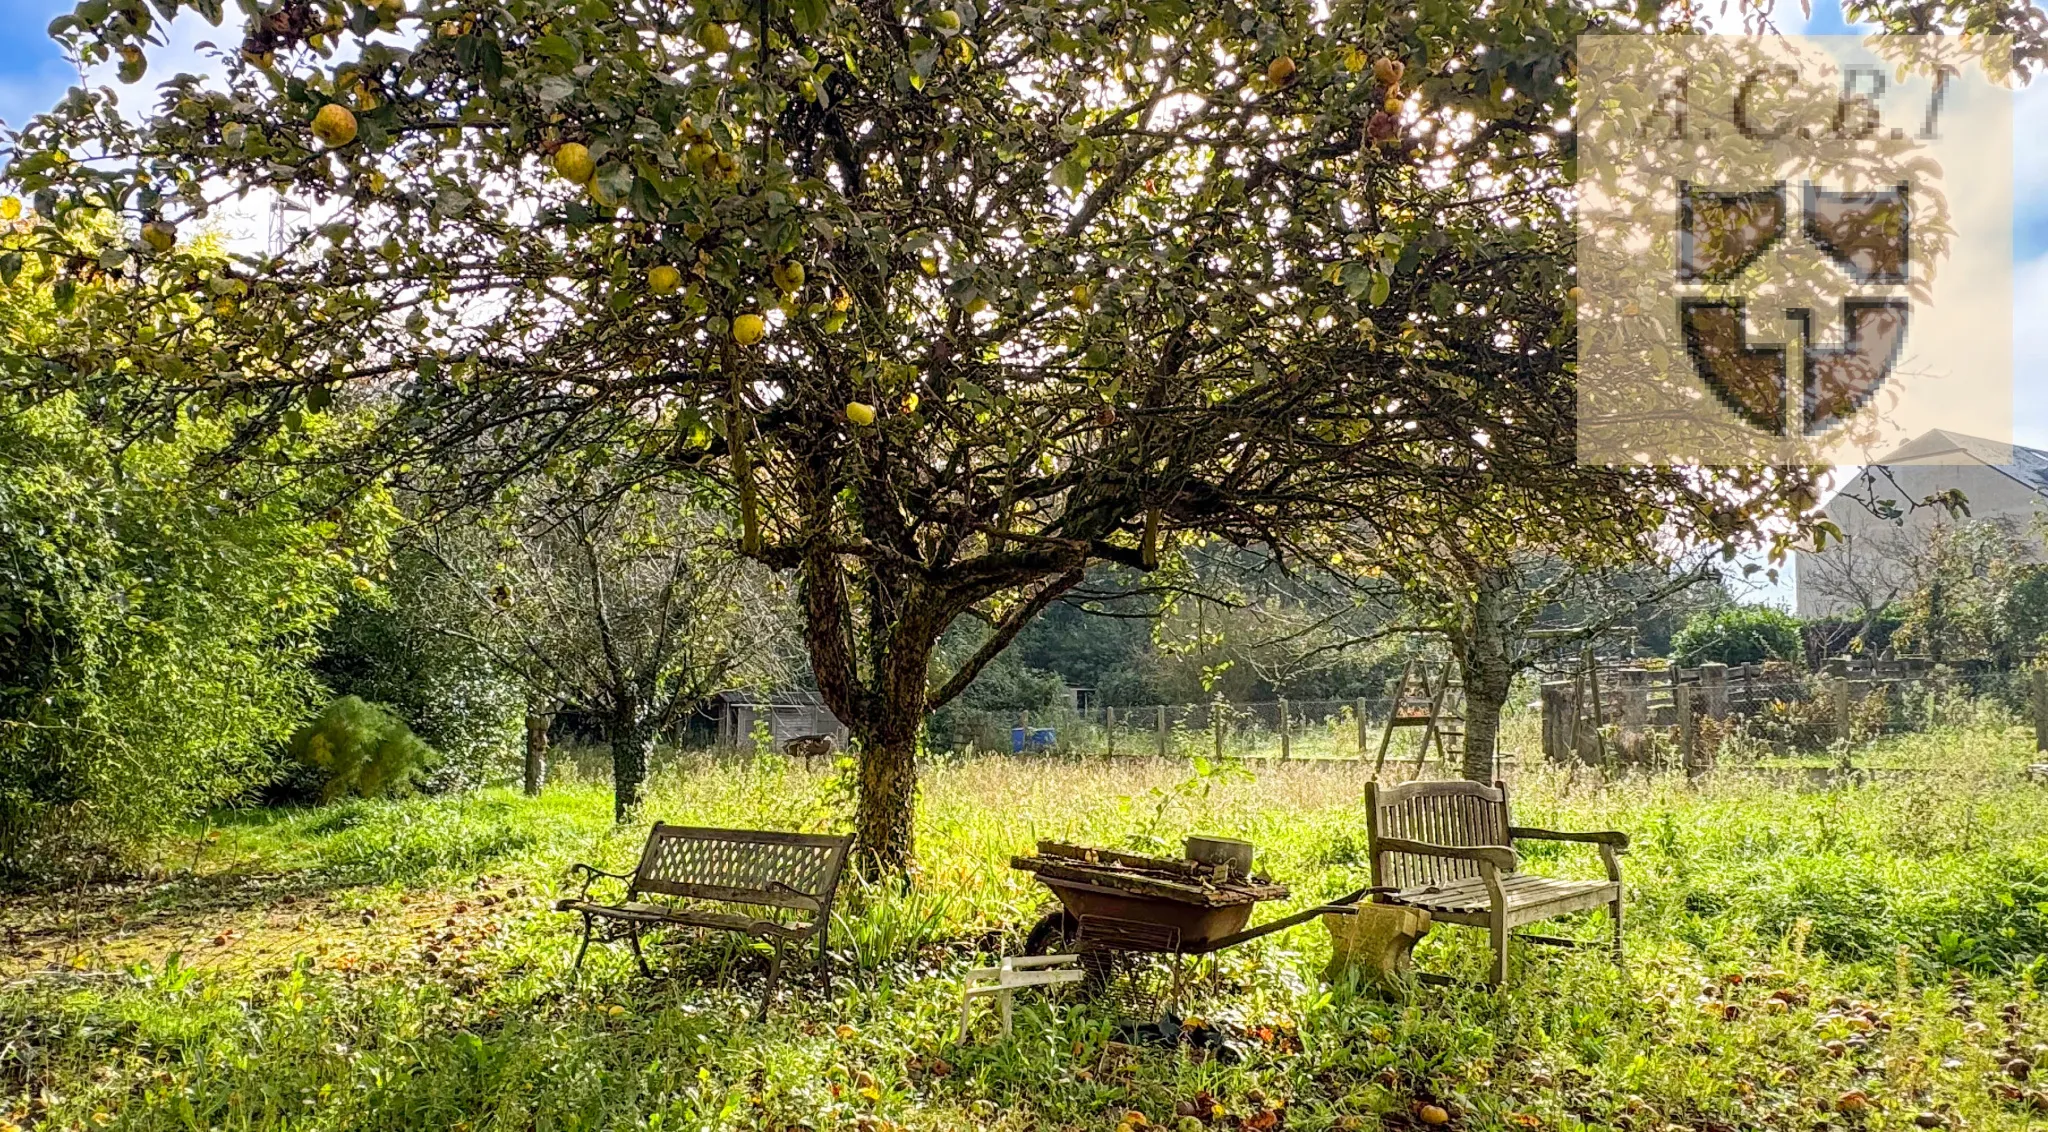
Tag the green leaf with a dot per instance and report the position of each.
(1357, 279)
(1071, 174)
(808, 15)
(563, 51)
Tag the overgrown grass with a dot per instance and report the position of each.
(1853, 956)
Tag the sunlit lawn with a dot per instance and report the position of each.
(1857, 957)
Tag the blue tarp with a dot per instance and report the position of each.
(1034, 739)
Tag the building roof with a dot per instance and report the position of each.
(2028, 466)
(781, 697)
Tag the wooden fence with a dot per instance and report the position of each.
(1617, 715)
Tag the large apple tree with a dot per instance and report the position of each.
(951, 299)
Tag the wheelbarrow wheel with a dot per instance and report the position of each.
(1059, 933)
(1056, 933)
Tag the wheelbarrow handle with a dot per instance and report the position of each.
(1344, 904)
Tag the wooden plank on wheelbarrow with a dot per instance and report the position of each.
(1086, 855)
(1142, 884)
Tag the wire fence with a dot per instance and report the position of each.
(1615, 717)
(1269, 729)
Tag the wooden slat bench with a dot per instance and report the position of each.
(776, 887)
(1448, 848)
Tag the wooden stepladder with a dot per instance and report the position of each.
(1435, 705)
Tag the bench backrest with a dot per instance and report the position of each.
(1460, 814)
(742, 866)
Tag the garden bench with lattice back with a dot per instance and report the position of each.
(776, 887)
(1448, 848)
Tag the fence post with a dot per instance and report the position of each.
(1688, 732)
(536, 750)
(1163, 746)
(1714, 689)
(1108, 731)
(1216, 725)
(1555, 723)
(1284, 750)
(1838, 681)
(1591, 666)
(2041, 709)
(1364, 739)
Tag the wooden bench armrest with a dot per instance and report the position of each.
(1498, 856)
(1591, 837)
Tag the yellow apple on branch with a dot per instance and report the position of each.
(574, 163)
(334, 125)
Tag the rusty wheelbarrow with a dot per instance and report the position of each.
(1114, 904)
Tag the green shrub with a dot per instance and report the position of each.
(1741, 634)
(390, 647)
(361, 749)
(1999, 923)
(156, 626)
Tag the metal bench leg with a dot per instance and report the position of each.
(582, 947)
(638, 955)
(824, 959)
(774, 972)
(1614, 919)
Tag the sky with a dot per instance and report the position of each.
(33, 75)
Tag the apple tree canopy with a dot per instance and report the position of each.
(950, 299)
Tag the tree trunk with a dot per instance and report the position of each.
(885, 817)
(632, 739)
(1485, 667)
(1482, 732)
(883, 701)
(536, 750)
(883, 707)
